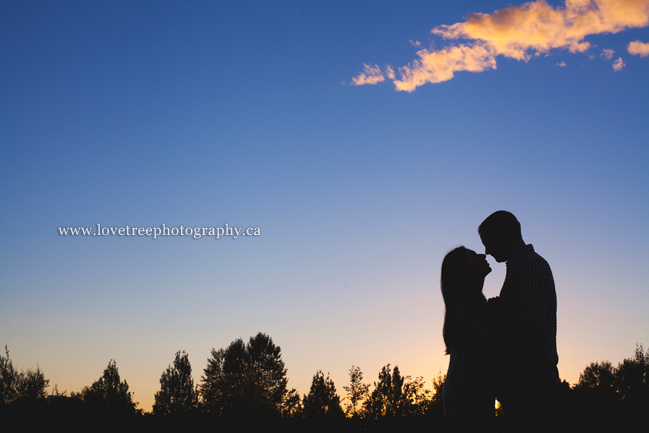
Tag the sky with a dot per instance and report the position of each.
(363, 139)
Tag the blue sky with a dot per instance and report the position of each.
(199, 114)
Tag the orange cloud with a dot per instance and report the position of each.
(438, 66)
(372, 75)
(520, 32)
(618, 65)
(561, 65)
(638, 48)
(607, 54)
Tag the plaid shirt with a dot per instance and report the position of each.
(528, 315)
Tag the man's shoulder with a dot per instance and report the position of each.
(529, 256)
(531, 263)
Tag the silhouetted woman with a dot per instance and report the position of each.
(468, 391)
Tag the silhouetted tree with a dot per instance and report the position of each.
(632, 377)
(247, 378)
(628, 381)
(357, 391)
(380, 402)
(434, 403)
(110, 390)
(595, 391)
(438, 388)
(223, 381)
(614, 397)
(598, 375)
(20, 385)
(396, 396)
(32, 385)
(266, 369)
(322, 400)
(9, 379)
(291, 406)
(416, 398)
(177, 393)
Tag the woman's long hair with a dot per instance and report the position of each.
(456, 280)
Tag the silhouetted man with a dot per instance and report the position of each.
(526, 317)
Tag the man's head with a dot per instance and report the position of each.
(501, 235)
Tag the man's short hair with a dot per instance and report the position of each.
(501, 222)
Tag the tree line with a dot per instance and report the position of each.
(246, 383)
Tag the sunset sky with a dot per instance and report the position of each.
(365, 139)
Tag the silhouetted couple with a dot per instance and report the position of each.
(504, 347)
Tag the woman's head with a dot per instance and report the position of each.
(456, 275)
(462, 271)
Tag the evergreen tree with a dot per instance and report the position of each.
(322, 399)
(265, 372)
(110, 390)
(177, 393)
(247, 378)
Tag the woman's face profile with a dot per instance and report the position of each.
(478, 264)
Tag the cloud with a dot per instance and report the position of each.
(372, 75)
(538, 27)
(639, 48)
(607, 54)
(618, 65)
(519, 32)
(439, 66)
(561, 65)
(415, 43)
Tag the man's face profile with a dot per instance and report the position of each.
(495, 246)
